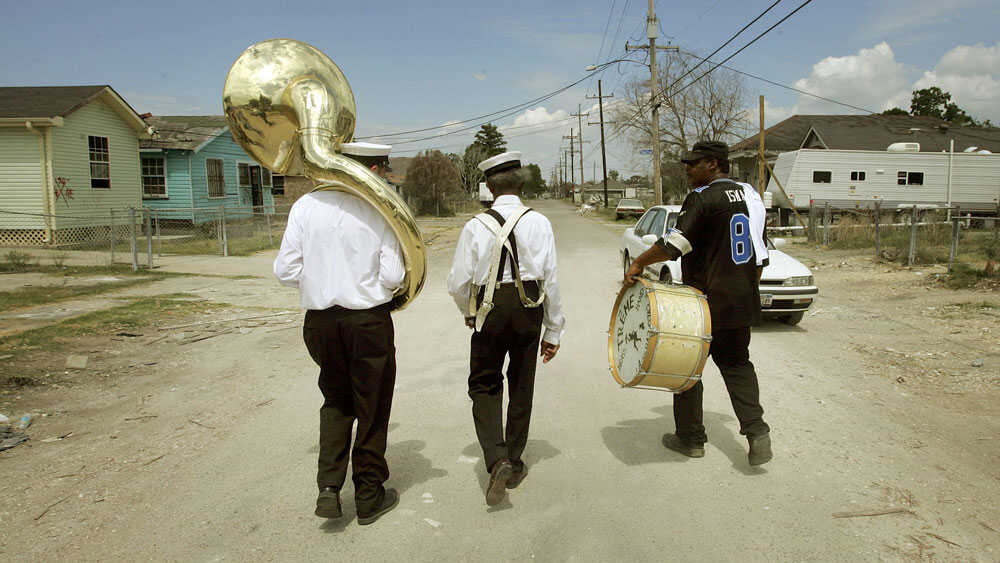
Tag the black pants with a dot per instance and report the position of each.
(357, 359)
(731, 353)
(511, 330)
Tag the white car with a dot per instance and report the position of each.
(786, 285)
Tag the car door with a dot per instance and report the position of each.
(633, 243)
(655, 228)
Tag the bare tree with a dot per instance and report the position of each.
(467, 165)
(712, 108)
(433, 185)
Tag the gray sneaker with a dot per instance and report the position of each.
(760, 450)
(674, 443)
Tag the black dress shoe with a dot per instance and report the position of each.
(516, 477)
(496, 490)
(328, 503)
(673, 442)
(760, 450)
(389, 501)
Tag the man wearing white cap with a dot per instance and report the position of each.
(504, 280)
(346, 262)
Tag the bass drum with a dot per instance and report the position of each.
(659, 337)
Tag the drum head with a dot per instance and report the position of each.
(630, 331)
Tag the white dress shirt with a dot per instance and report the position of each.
(338, 250)
(536, 253)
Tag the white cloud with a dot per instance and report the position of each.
(537, 116)
(908, 21)
(868, 79)
(971, 74)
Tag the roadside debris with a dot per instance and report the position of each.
(76, 361)
(878, 512)
(25, 421)
(10, 438)
(977, 363)
(433, 523)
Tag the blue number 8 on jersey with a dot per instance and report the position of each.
(739, 238)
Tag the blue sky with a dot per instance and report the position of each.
(415, 65)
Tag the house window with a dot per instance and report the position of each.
(216, 177)
(154, 181)
(822, 176)
(904, 178)
(267, 176)
(100, 162)
(278, 184)
(244, 170)
(858, 176)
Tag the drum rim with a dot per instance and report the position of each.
(648, 359)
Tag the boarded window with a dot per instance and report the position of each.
(822, 176)
(244, 169)
(858, 176)
(278, 184)
(154, 181)
(267, 176)
(216, 177)
(100, 162)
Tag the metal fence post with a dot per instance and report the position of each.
(954, 237)
(148, 216)
(225, 238)
(811, 229)
(159, 241)
(270, 239)
(913, 238)
(112, 211)
(826, 224)
(878, 240)
(135, 243)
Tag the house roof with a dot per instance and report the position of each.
(188, 132)
(869, 132)
(47, 102)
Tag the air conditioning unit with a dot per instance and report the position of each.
(904, 147)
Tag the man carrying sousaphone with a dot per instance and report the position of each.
(347, 263)
(503, 280)
(720, 234)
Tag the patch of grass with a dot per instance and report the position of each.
(17, 261)
(964, 276)
(59, 259)
(131, 317)
(972, 306)
(28, 296)
(238, 246)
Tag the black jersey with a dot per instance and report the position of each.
(720, 255)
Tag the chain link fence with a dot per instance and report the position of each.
(139, 236)
(909, 235)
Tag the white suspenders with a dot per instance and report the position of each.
(502, 241)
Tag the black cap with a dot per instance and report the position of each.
(707, 149)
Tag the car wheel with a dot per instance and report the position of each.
(625, 264)
(794, 318)
(618, 216)
(665, 276)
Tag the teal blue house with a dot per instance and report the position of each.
(191, 168)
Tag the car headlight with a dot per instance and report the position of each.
(798, 281)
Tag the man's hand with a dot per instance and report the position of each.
(634, 271)
(470, 322)
(548, 351)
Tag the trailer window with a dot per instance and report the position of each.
(822, 176)
(858, 176)
(904, 178)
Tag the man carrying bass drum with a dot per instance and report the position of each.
(720, 234)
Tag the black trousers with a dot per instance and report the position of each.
(357, 358)
(730, 351)
(511, 330)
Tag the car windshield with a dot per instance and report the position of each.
(630, 202)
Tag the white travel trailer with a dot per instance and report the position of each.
(898, 178)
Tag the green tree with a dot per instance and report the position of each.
(533, 183)
(433, 184)
(490, 139)
(895, 111)
(934, 102)
(613, 174)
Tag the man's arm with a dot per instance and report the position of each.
(288, 264)
(391, 271)
(554, 320)
(462, 269)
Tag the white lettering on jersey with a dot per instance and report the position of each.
(734, 195)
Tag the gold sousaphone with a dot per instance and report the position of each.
(290, 107)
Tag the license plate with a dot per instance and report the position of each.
(765, 299)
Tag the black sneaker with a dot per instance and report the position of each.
(760, 450)
(328, 503)
(389, 501)
(496, 490)
(672, 442)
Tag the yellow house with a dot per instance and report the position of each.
(69, 163)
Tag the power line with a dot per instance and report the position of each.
(605, 35)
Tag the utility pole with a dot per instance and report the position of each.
(763, 159)
(604, 158)
(652, 25)
(579, 120)
(572, 151)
